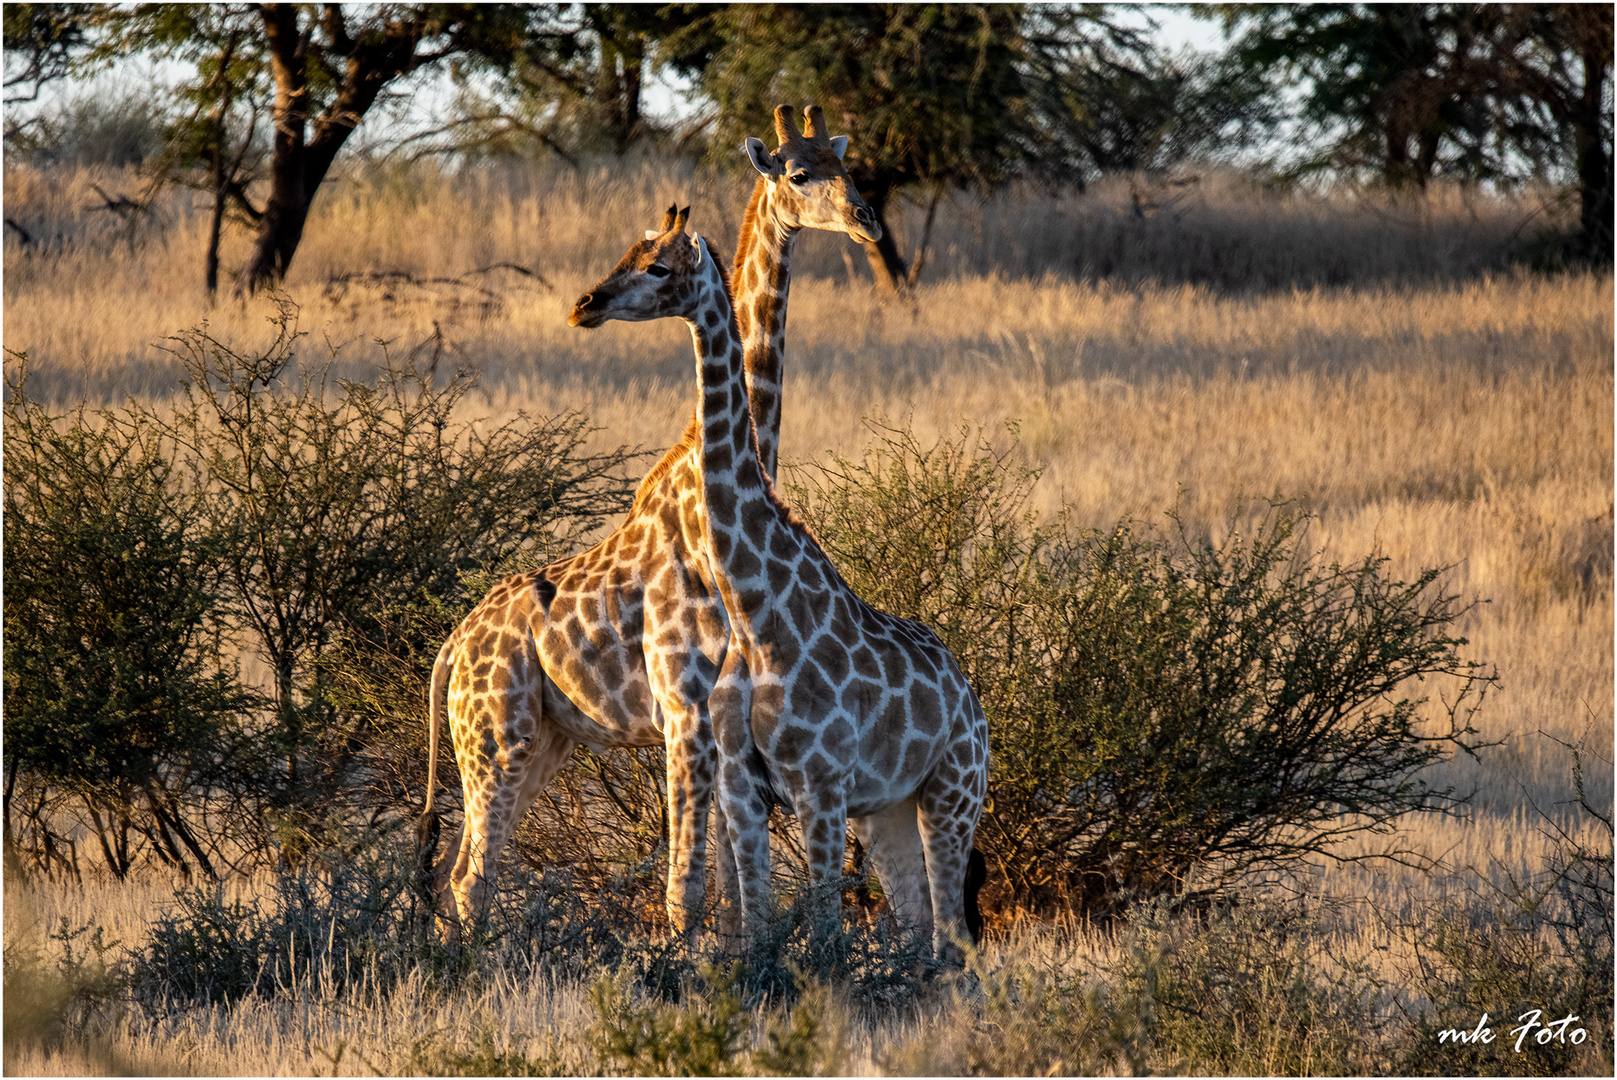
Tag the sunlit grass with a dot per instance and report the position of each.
(1424, 406)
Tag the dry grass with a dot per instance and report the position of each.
(1375, 361)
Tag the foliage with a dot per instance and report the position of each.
(707, 1032)
(667, 1040)
(341, 506)
(48, 1001)
(489, 1052)
(1113, 102)
(116, 687)
(580, 84)
(39, 44)
(1543, 941)
(1158, 704)
(1248, 990)
(342, 928)
(275, 508)
(1411, 92)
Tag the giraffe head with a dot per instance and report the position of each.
(809, 186)
(657, 279)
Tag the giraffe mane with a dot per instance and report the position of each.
(693, 431)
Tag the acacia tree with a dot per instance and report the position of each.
(929, 94)
(940, 97)
(322, 69)
(1409, 92)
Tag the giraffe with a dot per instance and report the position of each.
(824, 703)
(619, 645)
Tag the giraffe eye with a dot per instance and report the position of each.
(800, 178)
(658, 270)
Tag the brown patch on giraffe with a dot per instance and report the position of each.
(838, 739)
(809, 574)
(916, 751)
(784, 545)
(791, 744)
(861, 697)
(832, 656)
(756, 517)
(924, 710)
(896, 666)
(780, 653)
(744, 564)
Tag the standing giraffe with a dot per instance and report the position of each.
(620, 644)
(824, 703)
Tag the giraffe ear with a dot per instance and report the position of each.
(839, 145)
(652, 234)
(701, 247)
(761, 158)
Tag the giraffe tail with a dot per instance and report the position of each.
(428, 825)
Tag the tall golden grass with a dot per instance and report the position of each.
(1377, 360)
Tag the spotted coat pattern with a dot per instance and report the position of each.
(621, 644)
(825, 704)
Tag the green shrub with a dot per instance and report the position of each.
(700, 1037)
(48, 1000)
(1159, 703)
(117, 692)
(710, 1032)
(325, 523)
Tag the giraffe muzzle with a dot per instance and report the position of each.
(869, 230)
(587, 312)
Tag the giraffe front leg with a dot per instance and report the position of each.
(743, 798)
(690, 762)
(823, 818)
(893, 838)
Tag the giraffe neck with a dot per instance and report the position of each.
(762, 279)
(733, 482)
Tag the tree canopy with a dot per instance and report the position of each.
(935, 97)
(1406, 93)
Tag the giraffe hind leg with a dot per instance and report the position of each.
(507, 752)
(947, 825)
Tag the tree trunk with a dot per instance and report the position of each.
(221, 117)
(280, 230)
(888, 266)
(299, 164)
(1593, 151)
(281, 227)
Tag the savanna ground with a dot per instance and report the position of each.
(1378, 361)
